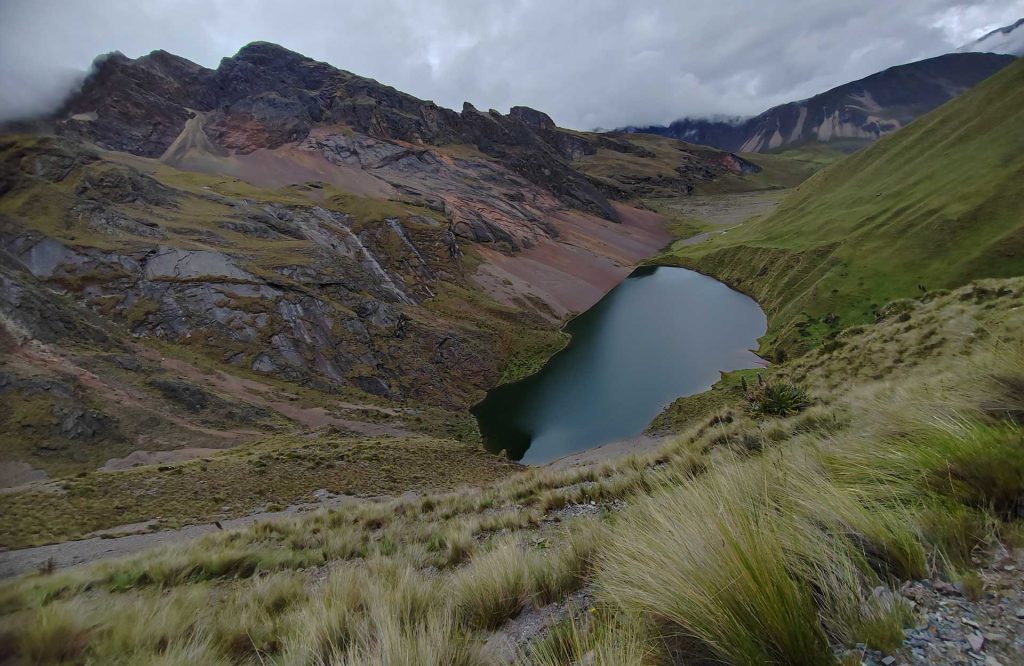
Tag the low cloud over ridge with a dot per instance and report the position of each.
(595, 63)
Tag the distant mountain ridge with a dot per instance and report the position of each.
(1008, 39)
(860, 110)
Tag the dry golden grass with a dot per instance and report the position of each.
(744, 539)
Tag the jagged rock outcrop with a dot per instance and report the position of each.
(267, 96)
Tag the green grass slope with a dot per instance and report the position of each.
(932, 206)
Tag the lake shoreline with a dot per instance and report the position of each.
(664, 332)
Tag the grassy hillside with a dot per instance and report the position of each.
(930, 207)
(799, 532)
(656, 166)
(281, 470)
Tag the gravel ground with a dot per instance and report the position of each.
(952, 629)
(516, 635)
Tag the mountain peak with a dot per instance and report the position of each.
(267, 53)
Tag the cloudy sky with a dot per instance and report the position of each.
(588, 63)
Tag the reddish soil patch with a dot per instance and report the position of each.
(572, 272)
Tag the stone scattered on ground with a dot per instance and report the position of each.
(950, 628)
(514, 637)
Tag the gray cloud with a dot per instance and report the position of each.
(588, 63)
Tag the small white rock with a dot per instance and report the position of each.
(976, 641)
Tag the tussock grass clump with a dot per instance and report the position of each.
(496, 585)
(975, 464)
(880, 622)
(596, 637)
(555, 574)
(775, 398)
(58, 633)
(972, 585)
(760, 571)
(453, 545)
(383, 614)
(980, 466)
(493, 588)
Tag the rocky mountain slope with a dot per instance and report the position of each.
(196, 258)
(266, 97)
(930, 207)
(853, 113)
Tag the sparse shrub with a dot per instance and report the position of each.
(775, 398)
(48, 567)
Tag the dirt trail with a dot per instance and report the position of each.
(83, 551)
(112, 544)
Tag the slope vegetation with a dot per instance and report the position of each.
(930, 207)
(751, 538)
